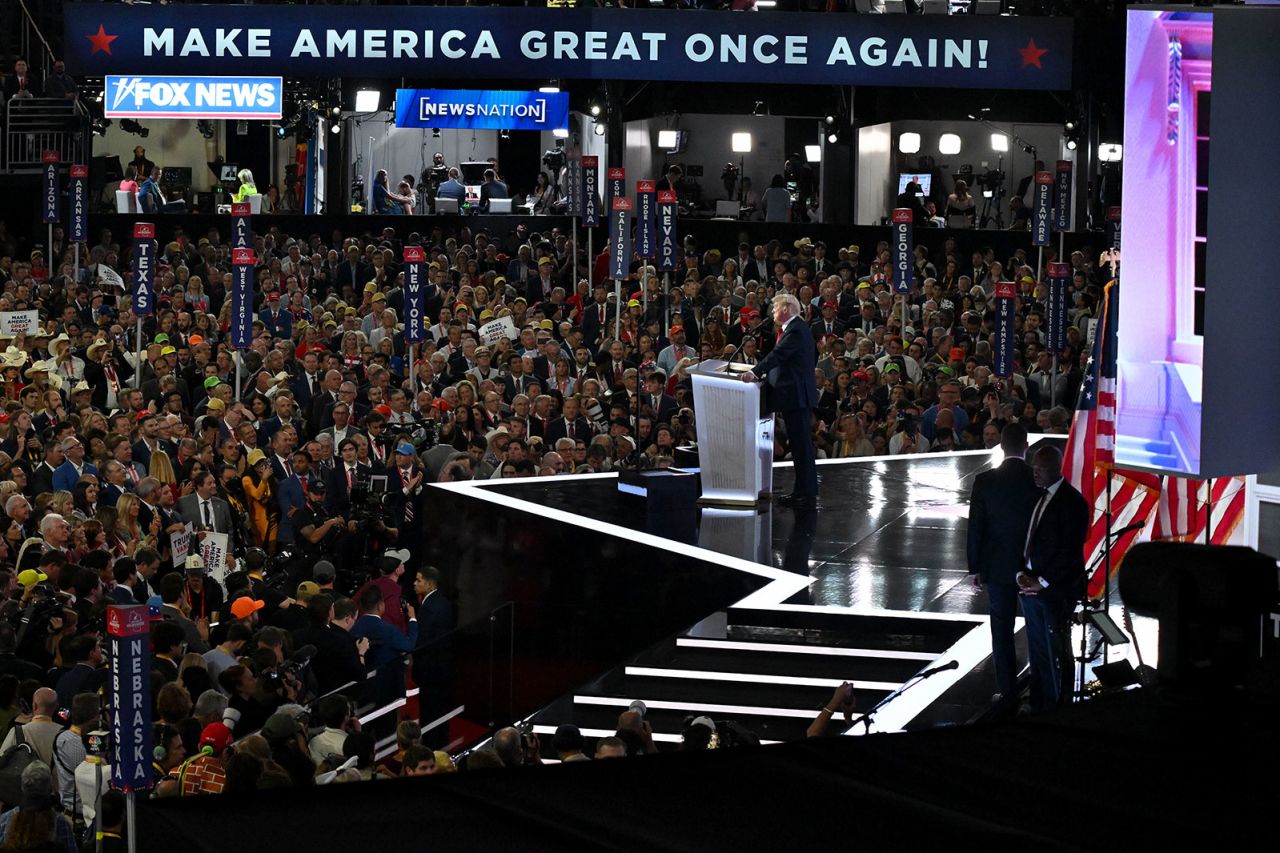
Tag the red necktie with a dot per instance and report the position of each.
(303, 480)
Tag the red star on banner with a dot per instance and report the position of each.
(1031, 54)
(101, 41)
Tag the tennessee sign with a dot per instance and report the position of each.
(486, 110)
(958, 51)
(131, 96)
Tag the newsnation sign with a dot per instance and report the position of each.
(485, 109)
(961, 51)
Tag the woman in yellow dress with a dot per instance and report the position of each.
(260, 492)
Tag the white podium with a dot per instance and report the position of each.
(735, 444)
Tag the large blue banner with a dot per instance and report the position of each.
(79, 202)
(144, 255)
(133, 96)
(415, 295)
(646, 244)
(436, 42)
(242, 264)
(904, 270)
(129, 651)
(668, 245)
(49, 190)
(486, 109)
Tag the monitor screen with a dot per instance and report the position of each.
(925, 181)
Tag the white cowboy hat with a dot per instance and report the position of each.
(55, 381)
(57, 343)
(13, 357)
(41, 366)
(97, 345)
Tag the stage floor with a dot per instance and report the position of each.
(871, 587)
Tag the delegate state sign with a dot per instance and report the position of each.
(482, 109)
(134, 96)
(953, 51)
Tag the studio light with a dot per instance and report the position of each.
(367, 100)
(504, 134)
(100, 125)
(999, 142)
(829, 120)
(761, 108)
(550, 88)
(949, 143)
(813, 153)
(435, 133)
(833, 136)
(909, 143)
(560, 133)
(1110, 152)
(128, 125)
(595, 107)
(668, 139)
(599, 129)
(335, 128)
(741, 143)
(335, 111)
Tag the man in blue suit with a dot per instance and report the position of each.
(792, 392)
(387, 646)
(277, 321)
(292, 495)
(1000, 506)
(453, 188)
(70, 471)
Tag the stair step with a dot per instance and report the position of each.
(855, 630)
(778, 659)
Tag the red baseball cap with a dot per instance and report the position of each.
(218, 736)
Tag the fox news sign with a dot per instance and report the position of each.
(133, 96)
(486, 110)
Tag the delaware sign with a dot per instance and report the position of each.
(420, 42)
(486, 110)
(131, 96)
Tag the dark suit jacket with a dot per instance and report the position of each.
(558, 429)
(1000, 506)
(41, 480)
(321, 412)
(290, 497)
(357, 277)
(1057, 543)
(432, 656)
(337, 499)
(510, 390)
(789, 368)
(337, 661)
(386, 654)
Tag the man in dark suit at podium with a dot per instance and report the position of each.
(791, 391)
(1000, 506)
(1052, 579)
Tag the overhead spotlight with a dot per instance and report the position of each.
(599, 129)
(1070, 126)
(335, 128)
(281, 132)
(980, 115)
(595, 107)
(367, 100)
(759, 109)
(668, 139)
(999, 142)
(560, 133)
(128, 125)
(504, 134)
(813, 153)
(335, 111)
(833, 136)
(829, 120)
(741, 143)
(909, 143)
(1110, 152)
(1071, 145)
(949, 143)
(205, 127)
(435, 133)
(550, 88)
(100, 125)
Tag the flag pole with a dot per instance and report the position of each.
(1208, 511)
(1106, 550)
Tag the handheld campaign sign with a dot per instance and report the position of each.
(620, 239)
(590, 191)
(1002, 343)
(129, 649)
(646, 246)
(242, 263)
(1043, 210)
(668, 246)
(1055, 309)
(1062, 197)
(79, 202)
(144, 255)
(49, 195)
(415, 295)
(241, 226)
(903, 268)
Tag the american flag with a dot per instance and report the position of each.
(1183, 511)
(1087, 464)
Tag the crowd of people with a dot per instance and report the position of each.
(312, 450)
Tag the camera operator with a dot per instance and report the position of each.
(315, 530)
